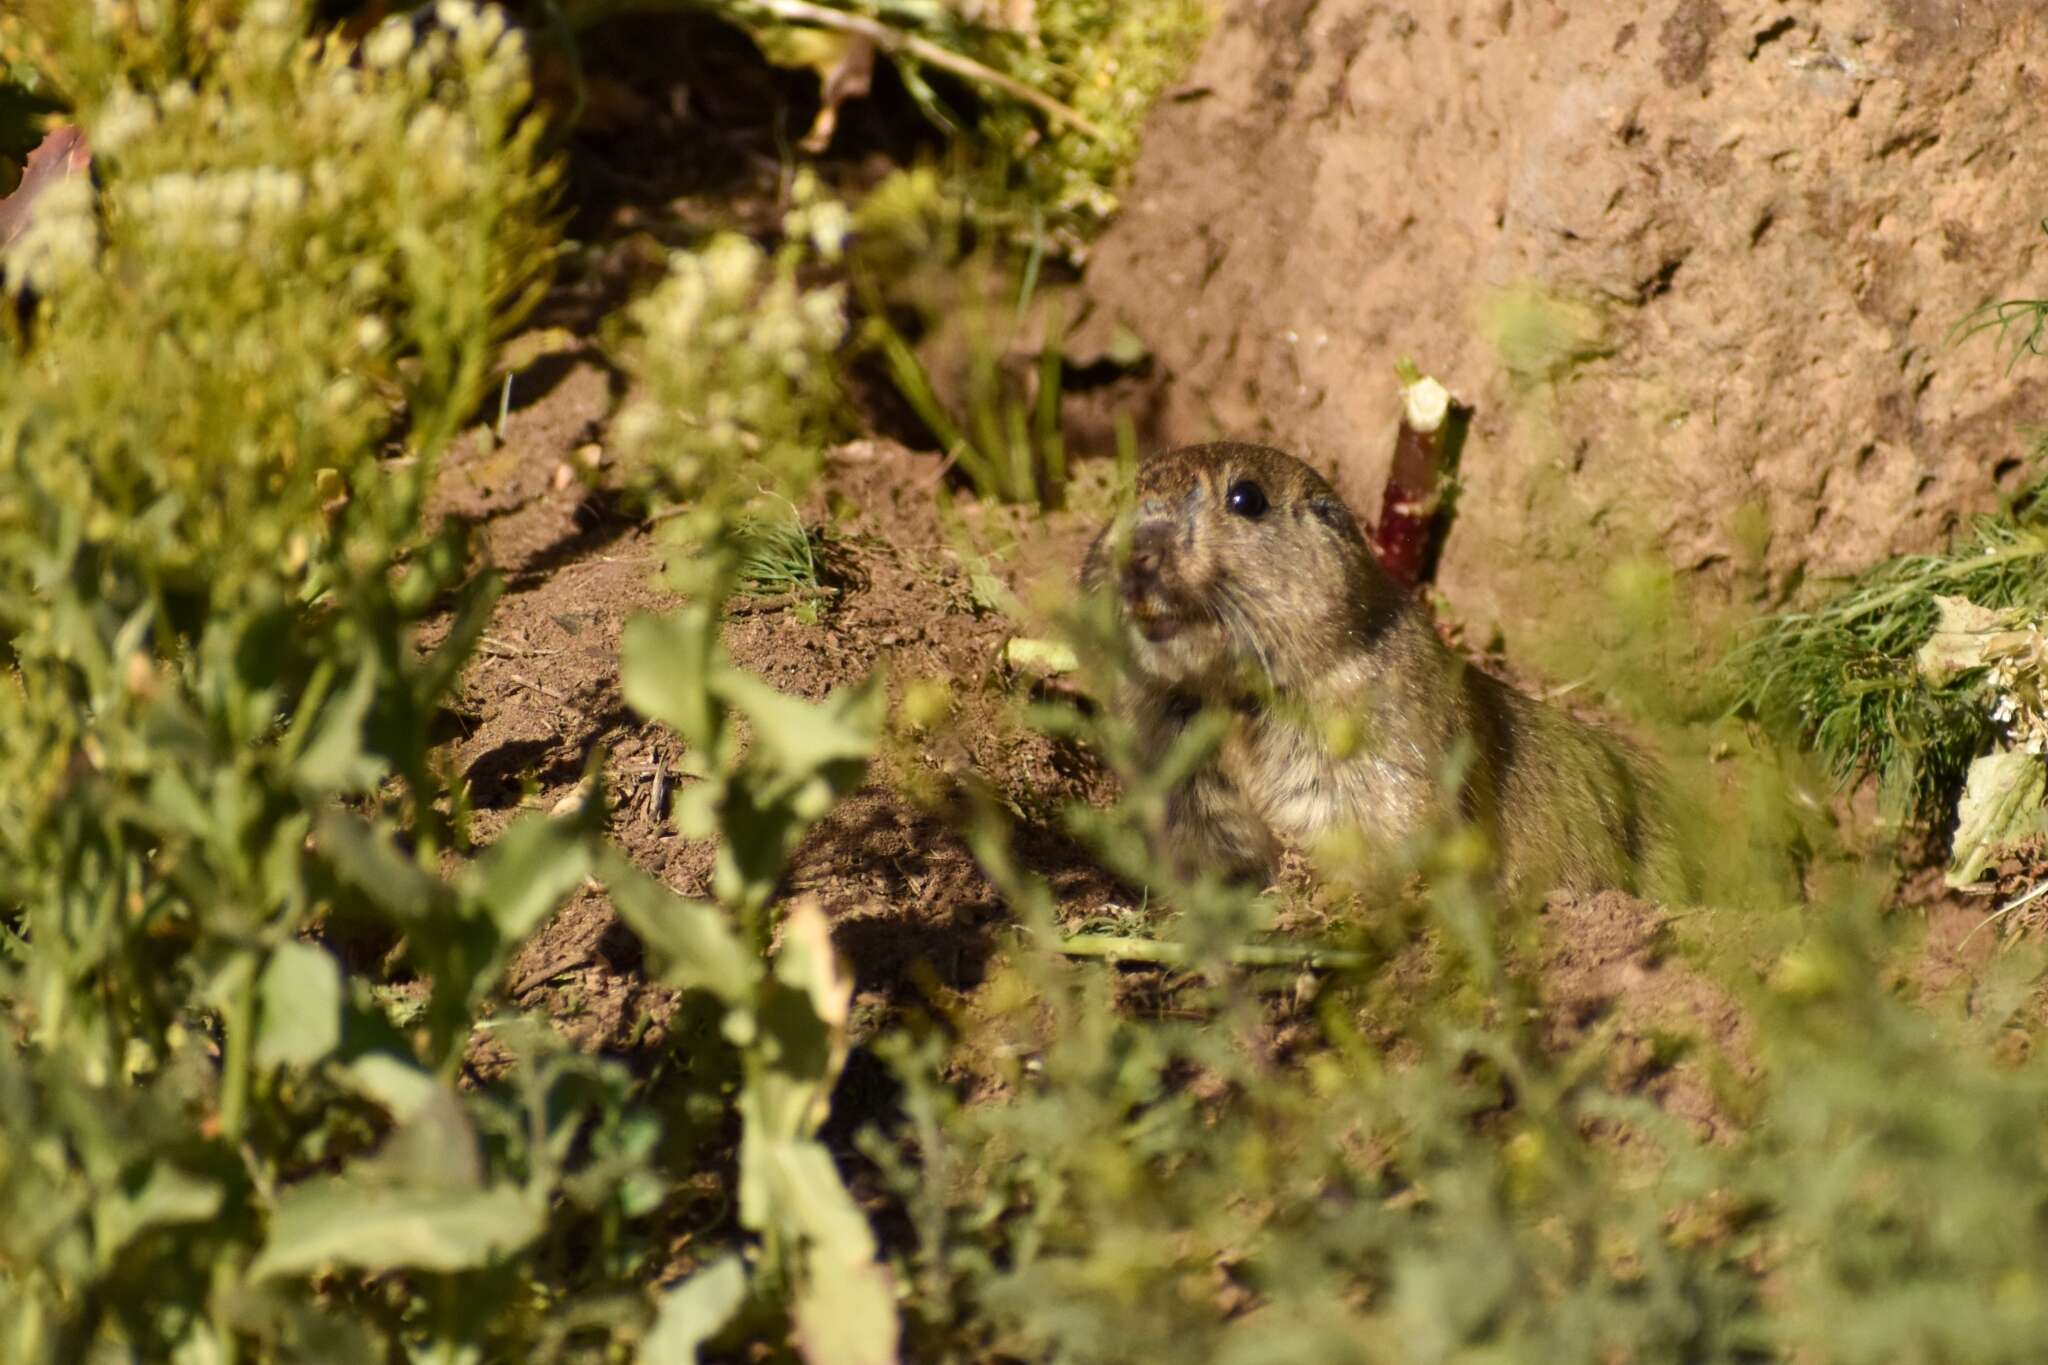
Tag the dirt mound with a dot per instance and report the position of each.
(1695, 267)
(911, 908)
(1606, 969)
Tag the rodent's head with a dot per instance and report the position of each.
(1236, 560)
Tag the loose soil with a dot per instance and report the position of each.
(914, 914)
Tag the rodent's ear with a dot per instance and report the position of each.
(1333, 514)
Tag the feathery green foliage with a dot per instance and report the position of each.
(777, 554)
(1842, 675)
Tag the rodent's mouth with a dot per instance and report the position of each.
(1156, 619)
(1158, 629)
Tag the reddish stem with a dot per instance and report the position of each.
(1408, 508)
(1416, 502)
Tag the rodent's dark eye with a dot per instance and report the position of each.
(1246, 499)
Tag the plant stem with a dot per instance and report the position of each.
(1050, 440)
(895, 41)
(240, 1025)
(1116, 948)
(227, 1345)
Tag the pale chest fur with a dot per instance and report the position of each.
(1354, 758)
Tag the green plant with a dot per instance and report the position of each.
(766, 767)
(776, 555)
(215, 725)
(741, 396)
(1844, 675)
(1394, 1162)
(1889, 677)
(1061, 87)
(1176, 1174)
(2021, 322)
(1008, 438)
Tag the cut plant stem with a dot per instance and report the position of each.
(1425, 451)
(1115, 948)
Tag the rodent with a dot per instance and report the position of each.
(1242, 582)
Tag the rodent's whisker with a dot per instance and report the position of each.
(1243, 628)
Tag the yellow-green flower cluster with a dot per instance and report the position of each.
(733, 356)
(278, 218)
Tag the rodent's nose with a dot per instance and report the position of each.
(1149, 544)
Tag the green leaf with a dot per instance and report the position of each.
(846, 1315)
(531, 869)
(174, 798)
(797, 737)
(367, 860)
(339, 1221)
(799, 1190)
(299, 999)
(694, 946)
(845, 1305)
(398, 1085)
(693, 1312)
(1029, 655)
(804, 1020)
(434, 1150)
(479, 596)
(335, 759)
(665, 663)
(2001, 803)
(166, 1196)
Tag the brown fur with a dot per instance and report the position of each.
(1347, 710)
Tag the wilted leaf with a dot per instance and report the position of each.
(691, 942)
(845, 64)
(339, 1221)
(299, 999)
(64, 152)
(693, 1312)
(2001, 803)
(808, 961)
(1966, 637)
